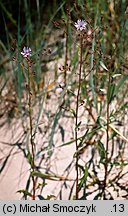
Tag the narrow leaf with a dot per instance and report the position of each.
(120, 84)
(103, 66)
(62, 132)
(84, 178)
(101, 150)
(111, 92)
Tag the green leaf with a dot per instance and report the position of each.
(25, 192)
(74, 59)
(120, 84)
(4, 163)
(98, 196)
(41, 197)
(101, 151)
(103, 66)
(116, 75)
(62, 132)
(3, 86)
(55, 123)
(84, 178)
(8, 14)
(111, 92)
(73, 140)
(29, 157)
(83, 137)
(49, 197)
(92, 81)
(46, 176)
(68, 143)
(78, 125)
(73, 112)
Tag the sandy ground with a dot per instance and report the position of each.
(16, 171)
(15, 174)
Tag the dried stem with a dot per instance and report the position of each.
(31, 130)
(77, 107)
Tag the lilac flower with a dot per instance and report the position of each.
(80, 24)
(26, 52)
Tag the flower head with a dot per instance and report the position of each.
(80, 24)
(26, 52)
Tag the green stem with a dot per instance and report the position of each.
(107, 142)
(76, 122)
